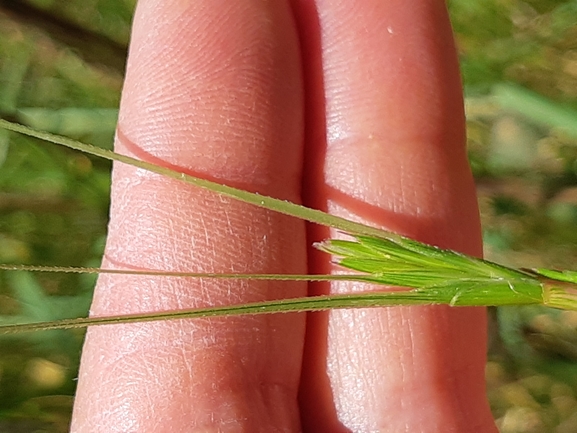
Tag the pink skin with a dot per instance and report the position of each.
(232, 90)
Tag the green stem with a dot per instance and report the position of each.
(281, 206)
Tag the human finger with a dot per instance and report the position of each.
(391, 153)
(213, 88)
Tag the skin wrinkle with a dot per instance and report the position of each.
(344, 63)
(400, 198)
(227, 218)
(249, 84)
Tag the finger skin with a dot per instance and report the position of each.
(213, 88)
(390, 150)
(393, 157)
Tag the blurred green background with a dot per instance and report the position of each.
(61, 68)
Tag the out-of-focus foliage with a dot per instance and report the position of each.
(519, 61)
(61, 66)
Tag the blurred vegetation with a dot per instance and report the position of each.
(519, 62)
(61, 66)
(61, 69)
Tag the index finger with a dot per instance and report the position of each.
(213, 88)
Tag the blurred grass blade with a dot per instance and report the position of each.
(538, 108)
